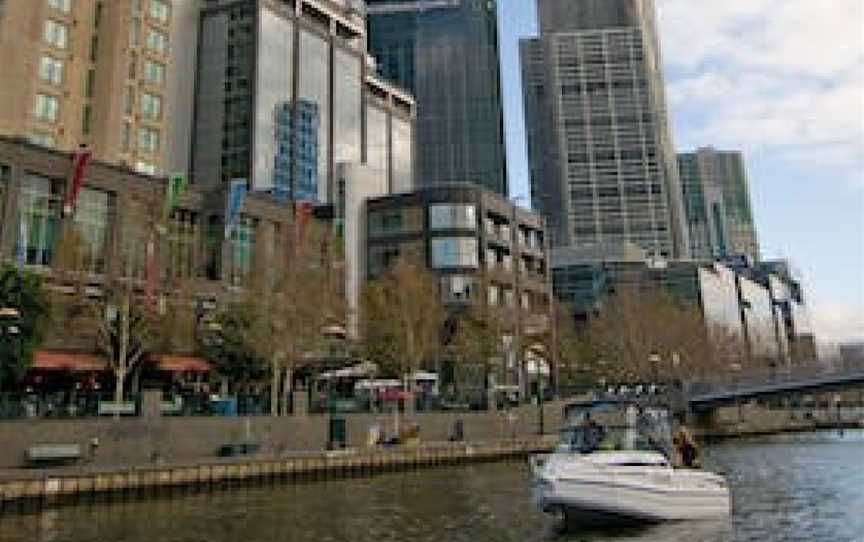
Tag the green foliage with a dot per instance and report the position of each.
(229, 343)
(22, 291)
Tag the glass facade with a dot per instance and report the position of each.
(758, 319)
(446, 54)
(273, 103)
(314, 88)
(377, 155)
(183, 238)
(347, 106)
(38, 216)
(91, 224)
(452, 216)
(402, 156)
(242, 250)
(720, 301)
(454, 252)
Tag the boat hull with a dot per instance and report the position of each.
(604, 501)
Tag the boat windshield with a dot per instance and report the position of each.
(627, 428)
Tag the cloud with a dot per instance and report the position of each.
(838, 323)
(782, 78)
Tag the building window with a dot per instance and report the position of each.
(43, 139)
(145, 167)
(493, 295)
(157, 41)
(127, 136)
(148, 140)
(91, 219)
(159, 10)
(526, 301)
(47, 108)
(55, 33)
(154, 72)
(457, 288)
(442, 217)
(454, 252)
(509, 299)
(151, 106)
(61, 5)
(242, 250)
(182, 243)
(87, 120)
(38, 214)
(51, 70)
(129, 101)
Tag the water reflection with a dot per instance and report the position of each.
(783, 489)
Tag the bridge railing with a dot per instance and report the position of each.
(739, 381)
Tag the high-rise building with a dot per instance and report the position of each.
(717, 204)
(88, 72)
(446, 54)
(286, 93)
(603, 166)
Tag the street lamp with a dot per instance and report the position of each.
(654, 359)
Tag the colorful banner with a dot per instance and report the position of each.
(79, 168)
(173, 192)
(23, 241)
(234, 206)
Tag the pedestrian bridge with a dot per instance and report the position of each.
(805, 378)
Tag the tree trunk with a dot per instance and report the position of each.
(123, 353)
(274, 387)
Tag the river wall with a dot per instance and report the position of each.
(752, 418)
(145, 441)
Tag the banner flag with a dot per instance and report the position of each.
(234, 206)
(23, 241)
(173, 192)
(76, 180)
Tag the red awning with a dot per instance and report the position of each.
(181, 364)
(68, 361)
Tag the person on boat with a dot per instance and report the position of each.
(685, 445)
(592, 435)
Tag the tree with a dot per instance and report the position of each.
(228, 343)
(21, 323)
(402, 318)
(478, 338)
(294, 306)
(648, 335)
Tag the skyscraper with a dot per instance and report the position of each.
(88, 72)
(286, 93)
(446, 54)
(603, 166)
(717, 204)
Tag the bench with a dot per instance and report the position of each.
(52, 455)
(238, 448)
(110, 408)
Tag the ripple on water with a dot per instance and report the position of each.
(810, 489)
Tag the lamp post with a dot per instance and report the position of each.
(9, 317)
(654, 359)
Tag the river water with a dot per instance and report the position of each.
(793, 488)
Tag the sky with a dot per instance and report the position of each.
(782, 81)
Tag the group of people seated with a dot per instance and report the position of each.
(595, 437)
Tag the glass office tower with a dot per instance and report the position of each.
(446, 54)
(717, 204)
(281, 93)
(603, 167)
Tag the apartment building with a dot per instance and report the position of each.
(88, 72)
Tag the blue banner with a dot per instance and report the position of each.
(234, 206)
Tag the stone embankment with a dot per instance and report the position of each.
(25, 490)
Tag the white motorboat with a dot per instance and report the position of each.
(615, 467)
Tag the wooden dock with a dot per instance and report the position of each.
(27, 490)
